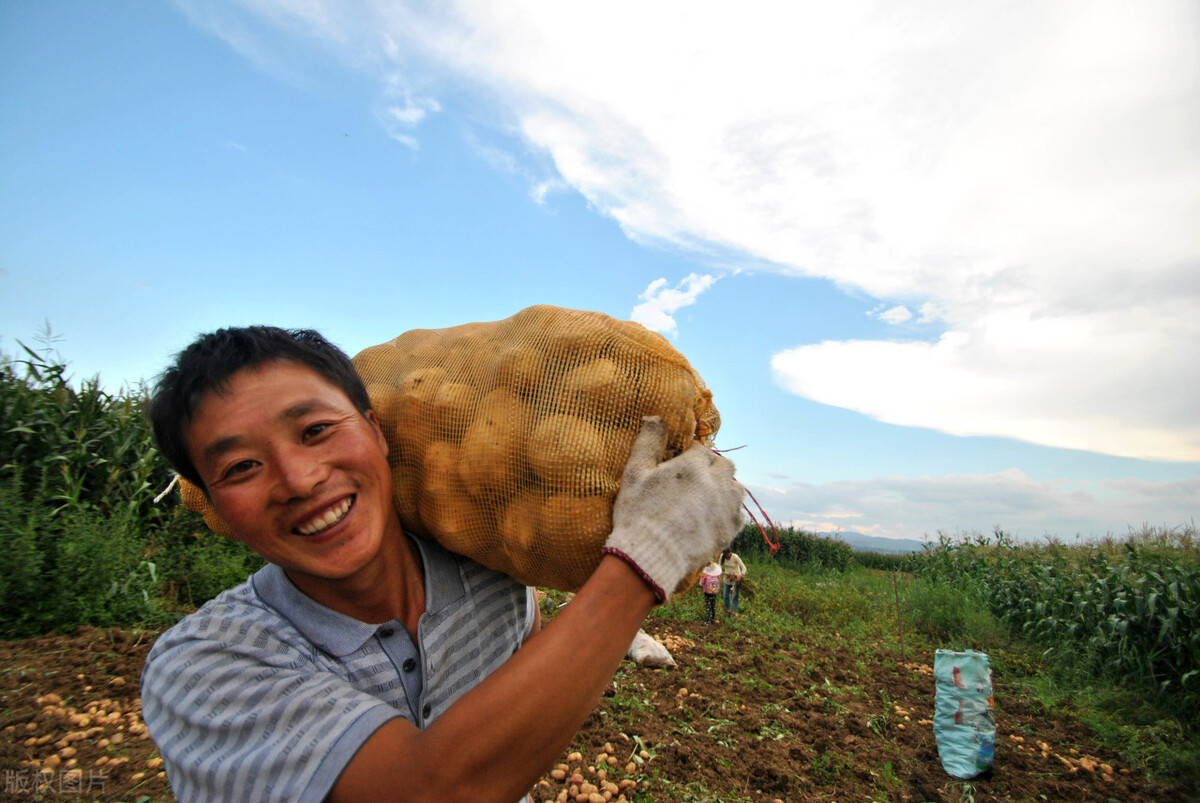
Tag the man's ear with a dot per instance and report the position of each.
(375, 425)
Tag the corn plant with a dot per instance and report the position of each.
(796, 549)
(84, 540)
(78, 448)
(1126, 610)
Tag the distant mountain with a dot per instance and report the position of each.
(872, 543)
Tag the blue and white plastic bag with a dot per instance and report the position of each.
(964, 724)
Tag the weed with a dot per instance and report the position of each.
(887, 777)
(83, 538)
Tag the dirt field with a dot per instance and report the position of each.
(734, 720)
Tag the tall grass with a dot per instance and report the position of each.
(1126, 610)
(83, 540)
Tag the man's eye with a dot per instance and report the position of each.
(315, 430)
(238, 468)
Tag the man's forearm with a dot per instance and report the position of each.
(495, 741)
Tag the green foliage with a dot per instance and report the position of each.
(796, 549)
(75, 449)
(197, 564)
(70, 567)
(1126, 610)
(83, 538)
(951, 614)
(884, 562)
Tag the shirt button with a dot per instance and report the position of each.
(425, 711)
(409, 665)
(386, 632)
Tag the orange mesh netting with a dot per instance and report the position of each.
(194, 499)
(507, 439)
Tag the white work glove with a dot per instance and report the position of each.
(671, 518)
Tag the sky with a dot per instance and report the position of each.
(939, 262)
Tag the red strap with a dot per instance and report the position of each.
(774, 546)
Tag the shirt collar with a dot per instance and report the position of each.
(338, 634)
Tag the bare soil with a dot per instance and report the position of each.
(734, 720)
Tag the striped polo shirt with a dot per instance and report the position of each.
(265, 694)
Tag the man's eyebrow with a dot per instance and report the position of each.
(297, 410)
(303, 408)
(220, 447)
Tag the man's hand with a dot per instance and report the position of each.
(671, 518)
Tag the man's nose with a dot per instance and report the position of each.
(298, 471)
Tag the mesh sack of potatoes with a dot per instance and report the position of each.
(507, 439)
(194, 499)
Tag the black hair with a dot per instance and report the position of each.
(211, 361)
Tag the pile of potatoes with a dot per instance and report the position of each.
(507, 439)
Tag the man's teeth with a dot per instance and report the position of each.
(331, 517)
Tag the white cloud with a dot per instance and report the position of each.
(1104, 383)
(660, 303)
(920, 507)
(407, 115)
(403, 111)
(1024, 175)
(895, 315)
(502, 161)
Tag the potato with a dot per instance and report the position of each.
(472, 347)
(412, 409)
(453, 406)
(521, 369)
(422, 383)
(517, 532)
(571, 532)
(618, 444)
(567, 453)
(406, 483)
(601, 391)
(673, 396)
(443, 506)
(518, 526)
(565, 518)
(491, 462)
(383, 399)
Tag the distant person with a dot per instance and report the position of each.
(361, 663)
(732, 572)
(710, 584)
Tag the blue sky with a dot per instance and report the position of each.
(939, 264)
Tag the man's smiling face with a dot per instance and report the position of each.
(298, 473)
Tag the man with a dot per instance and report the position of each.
(361, 664)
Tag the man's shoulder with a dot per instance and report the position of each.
(236, 615)
(443, 567)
